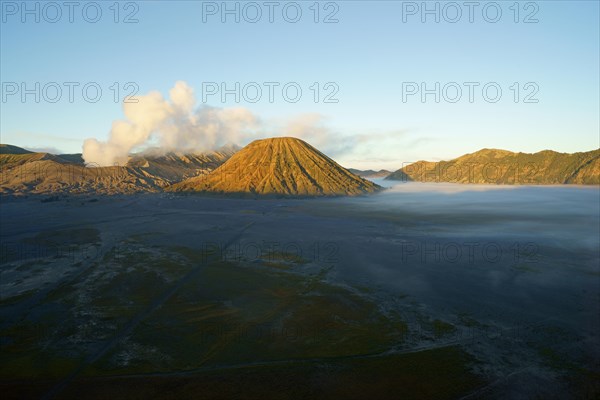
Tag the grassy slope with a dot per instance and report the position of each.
(504, 167)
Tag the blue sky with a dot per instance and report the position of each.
(369, 53)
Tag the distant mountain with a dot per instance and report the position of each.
(279, 166)
(176, 166)
(23, 172)
(494, 166)
(369, 173)
(73, 158)
(8, 149)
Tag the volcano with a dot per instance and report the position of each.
(279, 166)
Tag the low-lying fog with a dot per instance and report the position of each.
(512, 253)
(567, 215)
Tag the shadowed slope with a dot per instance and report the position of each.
(10, 149)
(282, 166)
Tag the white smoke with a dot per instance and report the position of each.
(174, 124)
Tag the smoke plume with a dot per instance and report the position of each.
(173, 124)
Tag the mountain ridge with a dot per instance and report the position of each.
(370, 173)
(292, 168)
(497, 166)
(26, 172)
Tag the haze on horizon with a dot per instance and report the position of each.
(370, 126)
